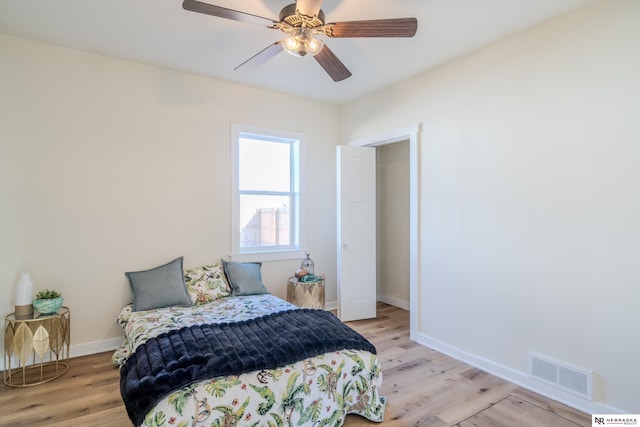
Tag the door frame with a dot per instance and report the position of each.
(411, 133)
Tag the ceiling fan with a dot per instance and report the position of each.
(304, 25)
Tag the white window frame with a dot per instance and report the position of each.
(296, 250)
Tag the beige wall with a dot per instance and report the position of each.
(529, 187)
(530, 197)
(392, 199)
(109, 166)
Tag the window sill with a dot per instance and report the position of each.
(268, 256)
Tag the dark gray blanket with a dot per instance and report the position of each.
(175, 359)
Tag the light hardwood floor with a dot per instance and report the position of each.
(423, 387)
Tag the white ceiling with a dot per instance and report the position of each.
(161, 32)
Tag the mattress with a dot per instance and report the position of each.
(319, 390)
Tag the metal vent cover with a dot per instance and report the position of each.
(562, 376)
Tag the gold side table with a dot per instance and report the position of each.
(38, 346)
(306, 294)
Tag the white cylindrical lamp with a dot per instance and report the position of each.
(24, 296)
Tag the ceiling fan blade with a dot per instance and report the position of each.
(309, 8)
(332, 65)
(261, 57)
(223, 12)
(395, 27)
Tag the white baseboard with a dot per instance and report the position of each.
(82, 349)
(333, 305)
(521, 379)
(394, 302)
(94, 347)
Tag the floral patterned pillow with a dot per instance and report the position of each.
(207, 283)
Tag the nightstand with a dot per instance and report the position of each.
(306, 294)
(38, 346)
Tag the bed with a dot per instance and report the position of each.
(232, 354)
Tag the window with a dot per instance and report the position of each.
(266, 214)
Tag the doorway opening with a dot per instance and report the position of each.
(392, 225)
(412, 135)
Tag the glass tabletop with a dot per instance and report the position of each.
(36, 315)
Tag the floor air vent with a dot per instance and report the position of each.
(559, 375)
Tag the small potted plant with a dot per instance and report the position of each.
(48, 301)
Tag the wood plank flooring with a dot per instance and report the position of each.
(423, 388)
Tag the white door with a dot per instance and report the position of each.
(356, 232)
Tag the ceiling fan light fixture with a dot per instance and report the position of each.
(304, 26)
(303, 41)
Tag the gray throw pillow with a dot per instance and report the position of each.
(158, 287)
(244, 277)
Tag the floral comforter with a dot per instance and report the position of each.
(319, 391)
